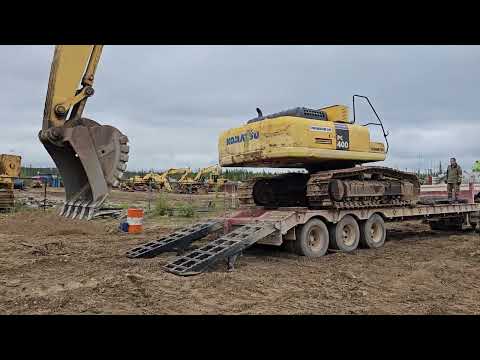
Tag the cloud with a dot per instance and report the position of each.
(173, 101)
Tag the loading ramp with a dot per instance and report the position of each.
(176, 241)
(227, 247)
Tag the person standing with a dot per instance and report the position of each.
(454, 179)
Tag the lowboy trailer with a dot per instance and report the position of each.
(304, 231)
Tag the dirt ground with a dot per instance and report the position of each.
(50, 265)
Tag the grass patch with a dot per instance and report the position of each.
(186, 210)
(162, 207)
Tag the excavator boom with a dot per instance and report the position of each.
(90, 157)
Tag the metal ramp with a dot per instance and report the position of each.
(178, 240)
(225, 247)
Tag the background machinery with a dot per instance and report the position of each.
(207, 179)
(10, 168)
(90, 157)
(169, 180)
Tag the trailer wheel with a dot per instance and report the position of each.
(373, 232)
(312, 239)
(345, 235)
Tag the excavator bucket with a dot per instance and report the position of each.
(91, 159)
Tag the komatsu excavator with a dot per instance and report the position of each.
(90, 157)
(330, 147)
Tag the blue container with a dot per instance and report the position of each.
(56, 182)
(124, 226)
(19, 184)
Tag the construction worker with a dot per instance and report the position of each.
(454, 179)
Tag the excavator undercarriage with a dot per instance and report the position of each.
(351, 188)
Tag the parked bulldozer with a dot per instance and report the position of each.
(10, 168)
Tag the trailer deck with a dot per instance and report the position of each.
(311, 232)
(286, 219)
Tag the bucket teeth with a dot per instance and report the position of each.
(91, 211)
(68, 210)
(62, 210)
(77, 208)
(82, 213)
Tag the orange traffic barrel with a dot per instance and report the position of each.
(135, 220)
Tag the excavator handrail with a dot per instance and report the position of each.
(385, 133)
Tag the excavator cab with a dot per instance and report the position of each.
(90, 157)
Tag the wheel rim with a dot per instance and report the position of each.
(348, 235)
(316, 240)
(376, 233)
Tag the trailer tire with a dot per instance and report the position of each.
(373, 232)
(312, 239)
(345, 235)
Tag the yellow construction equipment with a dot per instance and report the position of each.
(10, 167)
(90, 157)
(168, 180)
(138, 183)
(207, 179)
(329, 146)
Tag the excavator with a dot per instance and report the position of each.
(10, 168)
(164, 181)
(200, 183)
(90, 157)
(331, 150)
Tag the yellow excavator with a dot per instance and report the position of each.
(330, 147)
(164, 180)
(10, 167)
(200, 183)
(90, 157)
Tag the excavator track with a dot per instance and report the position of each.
(350, 188)
(7, 199)
(362, 187)
(276, 191)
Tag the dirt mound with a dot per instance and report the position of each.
(38, 223)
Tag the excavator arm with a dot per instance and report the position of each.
(215, 170)
(90, 157)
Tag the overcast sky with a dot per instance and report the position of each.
(173, 101)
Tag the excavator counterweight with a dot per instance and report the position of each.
(90, 157)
